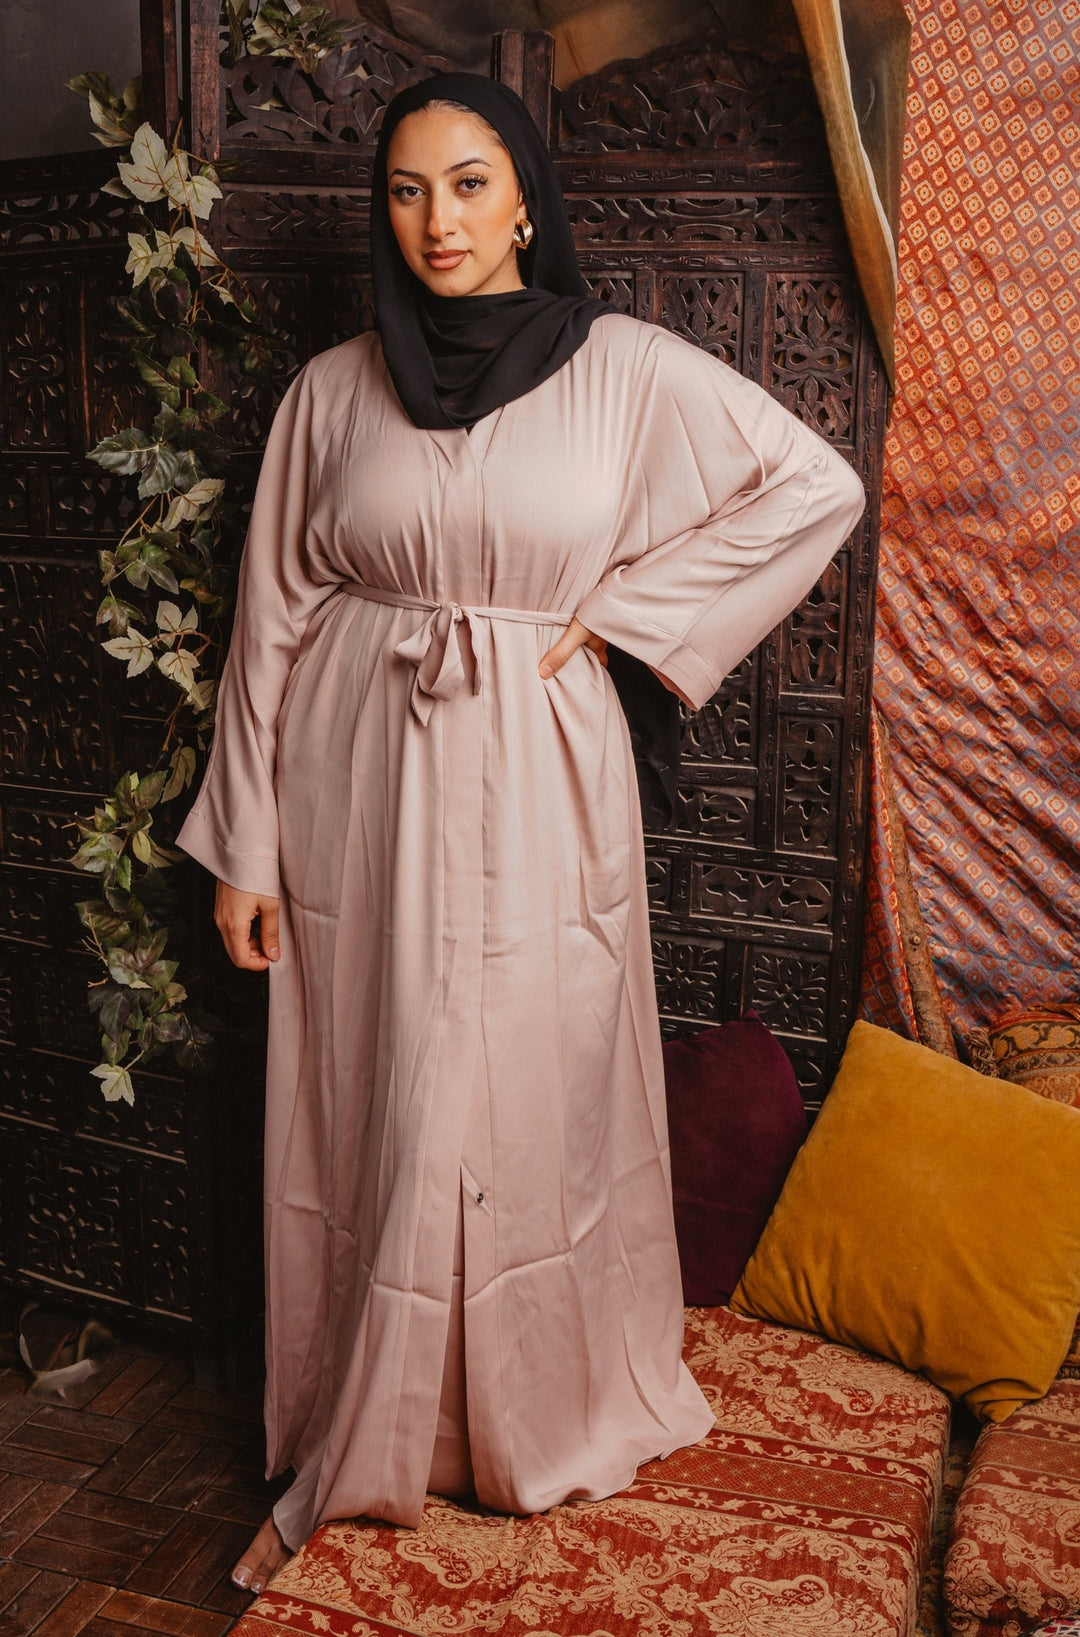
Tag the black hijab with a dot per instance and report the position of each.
(453, 359)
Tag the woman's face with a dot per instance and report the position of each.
(452, 189)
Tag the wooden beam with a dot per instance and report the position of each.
(205, 85)
(524, 59)
(161, 91)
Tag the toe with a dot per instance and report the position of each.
(245, 1568)
(272, 1560)
(262, 1574)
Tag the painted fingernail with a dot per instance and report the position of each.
(241, 1576)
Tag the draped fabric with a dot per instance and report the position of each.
(978, 643)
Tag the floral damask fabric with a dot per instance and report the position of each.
(1014, 1555)
(978, 641)
(806, 1512)
(931, 1621)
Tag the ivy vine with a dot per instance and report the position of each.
(169, 581)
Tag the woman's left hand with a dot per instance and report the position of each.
(575, 636)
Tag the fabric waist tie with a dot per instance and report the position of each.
(434, 649)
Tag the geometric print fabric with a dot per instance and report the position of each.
(978, 629)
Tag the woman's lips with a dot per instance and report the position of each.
(445, 258)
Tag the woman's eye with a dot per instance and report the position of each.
(402, 188)
(481, 181)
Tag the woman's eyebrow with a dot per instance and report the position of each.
(397, 170)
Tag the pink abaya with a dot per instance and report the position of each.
(463, 1038)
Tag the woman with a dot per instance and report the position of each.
(422, 786)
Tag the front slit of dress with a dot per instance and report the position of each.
(451, 1466)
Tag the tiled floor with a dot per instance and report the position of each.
(123, 1509)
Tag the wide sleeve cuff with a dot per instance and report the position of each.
(247, 872)
(610, 619)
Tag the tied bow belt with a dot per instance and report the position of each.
(434, 649)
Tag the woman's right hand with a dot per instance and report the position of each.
(234, 911)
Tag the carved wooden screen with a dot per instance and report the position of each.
(95, 1197)
(702, 198)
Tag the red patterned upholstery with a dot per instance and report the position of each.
(805, 1513)
(1014, 1554)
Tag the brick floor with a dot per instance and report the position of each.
(123, 1507)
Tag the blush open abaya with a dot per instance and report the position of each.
(464, 1061)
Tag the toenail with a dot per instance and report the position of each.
(241, 1576)
(256, 1585)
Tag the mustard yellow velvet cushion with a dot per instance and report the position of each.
(932, 1216)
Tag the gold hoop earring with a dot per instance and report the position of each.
(526, 231)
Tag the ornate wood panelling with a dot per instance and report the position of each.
(735, 110)
(269, 98)
(35, 338)
(127, 1208)
(52, 718)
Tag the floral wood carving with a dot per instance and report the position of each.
(700, 95)
(341, 99)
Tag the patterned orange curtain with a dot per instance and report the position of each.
(978, 646)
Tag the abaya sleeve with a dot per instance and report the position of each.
(732, 510)
(232, 826)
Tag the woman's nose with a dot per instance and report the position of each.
(439, 217)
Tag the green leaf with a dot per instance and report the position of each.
(201, 697)
(98, 917)
(133, 647)
(173, 624)
(149, 791)
(124, 452)
(181, 772)
(115, 1010)
(161, 858)
(153, 374)
(180, 372)
(114, 613)
(169, 1026)
(179, 666)
(115, 1083)
(112, 130)
(142, 259)
(157, 567)
(98, 853)
(164, 465)
(159, 973)
(125, 969)
(202, 193)
(150, 167)
(198, 247)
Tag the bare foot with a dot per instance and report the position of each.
(266, 1553)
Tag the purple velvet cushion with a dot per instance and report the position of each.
(736, 1121)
